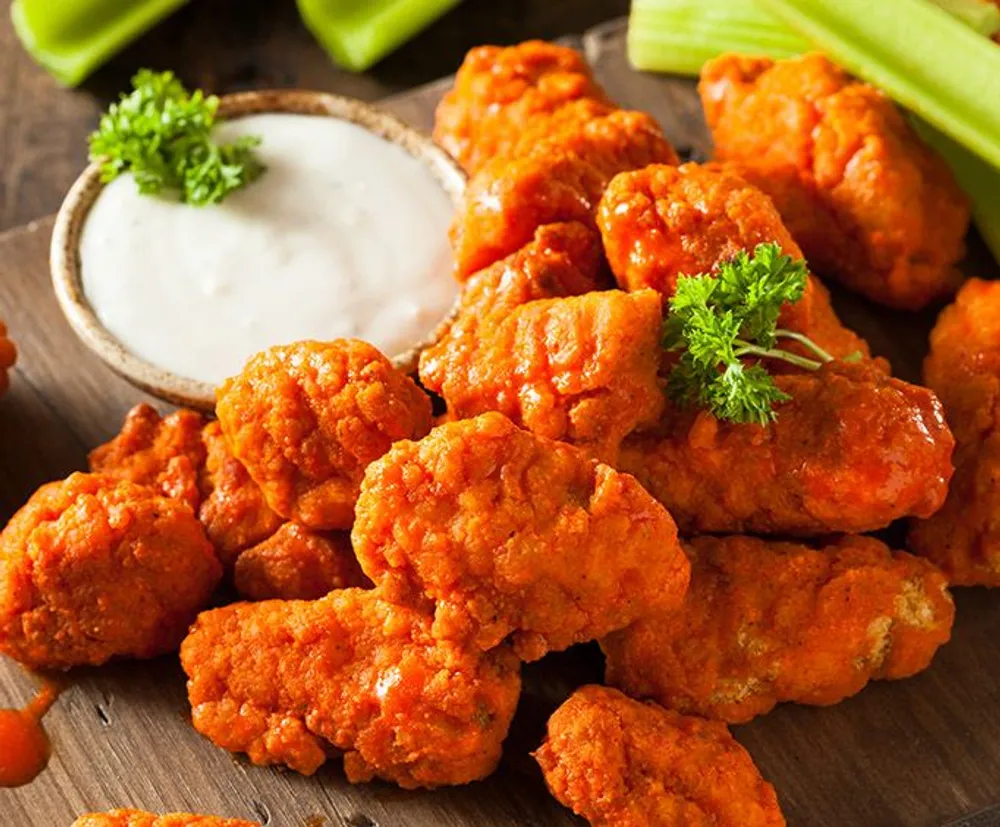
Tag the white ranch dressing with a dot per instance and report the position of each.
(344, 235)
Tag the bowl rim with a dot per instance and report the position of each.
(66, 270)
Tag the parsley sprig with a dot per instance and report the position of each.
(716, 321)
(163, 136)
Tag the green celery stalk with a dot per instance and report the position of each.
(680, 36)
(916, 52)
(980, 181)
(982, 16)
(359, 33)
(71, 38)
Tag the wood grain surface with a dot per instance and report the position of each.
(917, 753)
(228, 46)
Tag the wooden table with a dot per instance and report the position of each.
(225, 46)
(915, 753)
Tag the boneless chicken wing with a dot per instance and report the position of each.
(93, 568)
(139, 818)
(561, 178)
(298, 564)
(663, 222)
(293, 682)
(306, 419)
(850, 451)
(622, 763)
(963, 367)
(503, 533)
(498, 91)
(166, 453)
(582, 369)
(770, 622)
(591, 374)
(8, 356)
(868, 202)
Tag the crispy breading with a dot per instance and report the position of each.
(187, 458)
(166, 453)
(306, 419)
(582, 370)
(499, 91)
(298, 564)
(870, 204)
(768, 622)
(93, 568)
(851, 451)
(8, 356)
(963, 367)
(561, 178)
(233, 510)
(138, 818)
(623, 763)
(503, 533)
(562, 259)
(290, 682)
(662, 222)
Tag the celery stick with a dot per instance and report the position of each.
(71, 38)
(980, 181)
(680, 36)
(916, 52)
(982, 16)
(358, 33)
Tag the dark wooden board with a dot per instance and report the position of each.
(917, 753)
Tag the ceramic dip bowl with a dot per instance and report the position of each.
(171, 385)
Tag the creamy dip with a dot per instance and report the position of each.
(344, 235)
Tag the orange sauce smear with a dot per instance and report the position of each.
(24, 746)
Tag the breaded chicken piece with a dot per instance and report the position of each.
(624, 763)
(498, 91)
(963, 367)
(306, 419)
(8, 356)
(581, 370)
(502, 533)
(663, 222)
(138, 818)
(561, 178)
(870, 204)
(292, 682)
(561, 260)
(851, 451)
(165, 453)
(298, 564)
(770, 622)
(93, 568)
(233, 510)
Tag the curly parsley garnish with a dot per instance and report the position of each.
(163, 136)
(717, 320)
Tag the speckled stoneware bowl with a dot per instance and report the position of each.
(65, 256)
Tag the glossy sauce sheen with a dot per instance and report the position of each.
(24, 746)
(344, 235)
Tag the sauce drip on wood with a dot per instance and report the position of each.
(24, 746)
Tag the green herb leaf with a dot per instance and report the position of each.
(163, 136)
(716, 321)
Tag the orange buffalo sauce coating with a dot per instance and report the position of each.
(24, 746)
(871, 206)
(963, 368)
